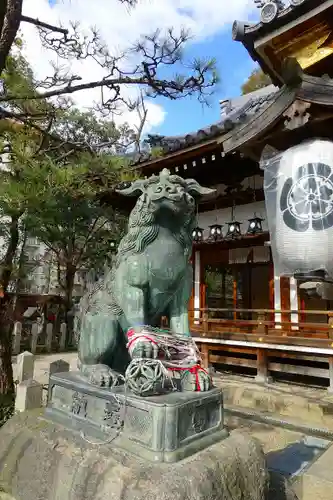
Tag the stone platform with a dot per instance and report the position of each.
(41, 460)
(164, 428)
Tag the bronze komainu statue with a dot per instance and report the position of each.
(152, 276)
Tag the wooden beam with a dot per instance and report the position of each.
(205, 356)
(180, 156)
(288, 368)
(228, 351)
(280, 345)
(330, 371)
(228, 360)
(262, 376)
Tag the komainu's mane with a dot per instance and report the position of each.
(143, 230)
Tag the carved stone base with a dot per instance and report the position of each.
(163, 428)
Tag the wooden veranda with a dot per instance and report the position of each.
(266, 347)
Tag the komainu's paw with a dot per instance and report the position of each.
(102, 375)
(144, 349)
(198, 380)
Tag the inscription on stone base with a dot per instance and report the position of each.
(160, 428)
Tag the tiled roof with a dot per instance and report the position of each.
(242, 109)
(286, 11)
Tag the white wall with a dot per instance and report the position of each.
(241, 213)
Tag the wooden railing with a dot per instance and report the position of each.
(262, 322)
(265, 344)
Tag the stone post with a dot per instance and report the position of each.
(29, 395)
(17, 332)
(59, 366)
(49, 337)
(34, 337)
(63, 331)
(25, 366)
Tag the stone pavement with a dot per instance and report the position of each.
(296, 404)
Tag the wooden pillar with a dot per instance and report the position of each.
(234, 293)
(330, 373)
(271, 291)
(285, 300)
(205, 356)
(277, 300)
(294, 319)
(262, 376)
(205, 325)
(330, 323)
(261, 327)
(197, 275)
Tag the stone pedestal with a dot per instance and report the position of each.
(49, 337)
(164, 428)
(63, 336)
(29, 395)
(41, 460)
(17, 333)
(25, 366)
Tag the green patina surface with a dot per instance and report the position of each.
(152, 276)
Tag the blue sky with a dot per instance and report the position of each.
(233, 63)
(234, 66)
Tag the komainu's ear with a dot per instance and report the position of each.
(194, 188)
(131, 188)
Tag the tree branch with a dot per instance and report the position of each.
(90, 233)
(3, 8)
(160, 87)
(41, 24)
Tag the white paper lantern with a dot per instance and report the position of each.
(299, 203)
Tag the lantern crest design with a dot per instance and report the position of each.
(307, 200)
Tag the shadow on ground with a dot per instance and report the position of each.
(280, 488)
(296, 457)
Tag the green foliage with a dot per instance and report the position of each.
(86, 129)
(69, 219)
(18, 79)
(257, 80)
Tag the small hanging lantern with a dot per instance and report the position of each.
(234, 230)
(197, 234)
(215, 232)
(255, 225)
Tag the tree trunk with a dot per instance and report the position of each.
(69, 286)
(20, 273)
(10, 18)
(7, 391)
(7, 266)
